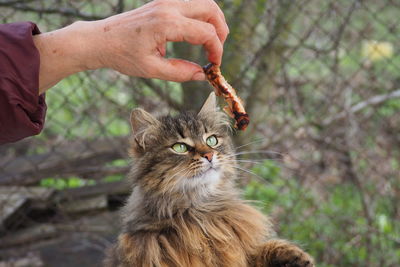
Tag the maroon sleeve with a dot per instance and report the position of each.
(22, 111)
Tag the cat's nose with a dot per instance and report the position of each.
(208, 156)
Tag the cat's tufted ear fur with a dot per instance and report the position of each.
(211, 112)
(143, 124)
(210, 106)
(141, 120)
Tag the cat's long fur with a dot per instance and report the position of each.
(179, 214)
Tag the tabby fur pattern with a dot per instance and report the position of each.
(184, 209)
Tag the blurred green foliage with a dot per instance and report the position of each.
(333, 223)
(61, 183)
(64, 183)
(295, 63)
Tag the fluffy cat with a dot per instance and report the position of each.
(184, 209)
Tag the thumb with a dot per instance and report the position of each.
(177, 70)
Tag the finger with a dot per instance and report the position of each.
(207, 11)
(220, 26)
(176, 70)
(198, 33)
(226, 30)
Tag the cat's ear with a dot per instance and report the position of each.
(141, 120)
(210, 106)
(143, 128)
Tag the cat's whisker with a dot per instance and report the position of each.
(177, 169)
(179, 173)
(250, 143)
(248, 161)
(244, 160)
(273, 154)
(232, 159)
(254, 160)
(279, 162)
(252, 173)
(185, 171)
(257, 152)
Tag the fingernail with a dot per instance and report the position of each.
(199, 76)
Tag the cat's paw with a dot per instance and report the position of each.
(280, 253)
(291, 256)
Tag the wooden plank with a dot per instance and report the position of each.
(14, 199)
(30, 260)
(29, 235)
(85, 204)
(114, 188)
(66, 156)
(10, 205)
(32, 192)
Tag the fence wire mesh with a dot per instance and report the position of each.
(321, 82)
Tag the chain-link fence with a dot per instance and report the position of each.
(321, 82)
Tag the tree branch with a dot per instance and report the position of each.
(162, 94)
(64, 158)
(68, 12)
(373, 101)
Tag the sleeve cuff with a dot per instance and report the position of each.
(22, 110)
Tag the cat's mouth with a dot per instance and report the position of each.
(208, 171)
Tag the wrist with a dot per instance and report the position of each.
(61, 51)
(73, 48)
(66, 51)
(87, 50)
(83, 46)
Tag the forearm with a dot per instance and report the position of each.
(64, 52)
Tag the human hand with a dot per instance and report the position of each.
(134, 42)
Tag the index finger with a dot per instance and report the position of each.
(207, 11)
(198, 33)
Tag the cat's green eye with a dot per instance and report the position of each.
(180, 148)
(212, 141)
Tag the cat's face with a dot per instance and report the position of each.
(186, 153)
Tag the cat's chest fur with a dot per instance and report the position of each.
(221, 234)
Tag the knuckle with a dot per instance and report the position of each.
(162, 10)
(211, 32)
(214, 6)
(166, 20)
(160, 3)
(148, 71)
(173, 23)
(164, 14)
